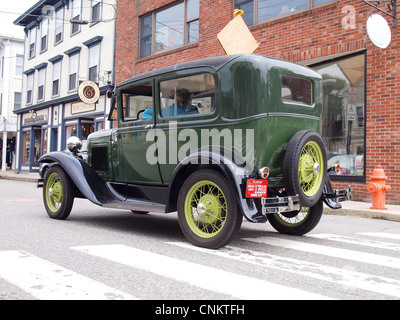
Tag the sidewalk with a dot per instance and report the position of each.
(25, 177)
(351, 208)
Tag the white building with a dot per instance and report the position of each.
(11, 64)
(67, 42)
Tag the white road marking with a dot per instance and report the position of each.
(346, 277)
(329, 251)
(382, 235)
(48, 281)
(216, 280)
(361, 242)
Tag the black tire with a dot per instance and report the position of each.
(304, 167)
(58, 193)
(297, 222)
(208, 213)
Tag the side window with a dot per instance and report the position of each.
(137, 103)
(297, 90)
(188, 96)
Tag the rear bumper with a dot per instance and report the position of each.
(280, 204)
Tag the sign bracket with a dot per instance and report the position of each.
(392, 6)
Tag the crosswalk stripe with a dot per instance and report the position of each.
(329, 251)
(362, 242)
(48, 281)
(346, 278)
(382, 235)
(236, 285)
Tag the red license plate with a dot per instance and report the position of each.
(256, 188)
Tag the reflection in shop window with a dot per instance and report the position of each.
(26, 146)
(344, 113)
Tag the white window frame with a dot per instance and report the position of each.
(96, 7)
(59, 25)
(94, 60)
(73, 70)
(44, 35)
(76, 14)
(56, 77)
(41, 84)
(30, 80)
(32, 43)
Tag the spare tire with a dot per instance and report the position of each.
(304, 167)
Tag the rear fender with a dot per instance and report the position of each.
(89, 183)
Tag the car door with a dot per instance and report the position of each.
(132, 139)
(186, 108)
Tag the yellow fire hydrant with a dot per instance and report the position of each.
(378, 188)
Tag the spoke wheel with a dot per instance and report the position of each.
(304, 167)
(57, 193)
(297, 222)
(207, 210)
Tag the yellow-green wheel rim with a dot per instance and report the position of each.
(311, 168)
(205, 209)
(54, 192)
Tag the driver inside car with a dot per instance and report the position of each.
(182, 106)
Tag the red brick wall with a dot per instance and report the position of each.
(308, 35)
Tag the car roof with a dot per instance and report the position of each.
(213, 62)
(216, 63)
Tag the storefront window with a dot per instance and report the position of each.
(26, 146)
(70, 131)
(38, 145)
(86, 130)
(343, 128)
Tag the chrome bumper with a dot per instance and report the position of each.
(280, 204)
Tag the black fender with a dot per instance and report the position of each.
(234, 168)
(89, 183)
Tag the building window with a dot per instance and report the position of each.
(59, 25)
(257, 11)
(73, 72)
(32, 43)
(96, 11)
(76, 15)
(17, 100)
(173, 27)
(44, 34)
(343, 125)
(41, 83)
(19, 65)
(94, 56)
(29, 88)
(56, 78)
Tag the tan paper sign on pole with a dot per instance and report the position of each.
(236, 37)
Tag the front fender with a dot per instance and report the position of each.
(233, 168)
(89, 183)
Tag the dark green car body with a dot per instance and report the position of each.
(243, 114)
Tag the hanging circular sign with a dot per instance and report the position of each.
(89, 92)
(379, 31)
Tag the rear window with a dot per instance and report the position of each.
(296, 90)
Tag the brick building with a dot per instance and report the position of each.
(361, 120)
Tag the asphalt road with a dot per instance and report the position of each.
(110, 254)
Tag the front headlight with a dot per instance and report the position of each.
(74, 144)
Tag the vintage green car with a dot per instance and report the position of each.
(213, 140)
